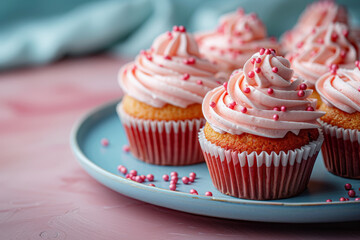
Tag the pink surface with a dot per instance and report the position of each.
(46, 195)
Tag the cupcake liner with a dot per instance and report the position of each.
(260, 176)
(163, 142)
(341, 150)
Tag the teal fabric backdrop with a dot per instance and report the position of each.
(40, 31)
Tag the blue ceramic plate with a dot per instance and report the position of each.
(101, 163)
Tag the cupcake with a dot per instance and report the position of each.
(322, 49)
(340, 93)
(261, 138)
(237, 38)
(318, 14)
(164, 88)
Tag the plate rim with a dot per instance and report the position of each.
(83, 159)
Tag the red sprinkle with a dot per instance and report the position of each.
(185, 180)
(351, 193)
(276, 109)
(253, 60)
(150, 177)
(283, 108)
(257, 70)
(138, 179)
(357, 63)
(191, 60)
(251, 74)
(321, 41)
(270, 91)
(186, 76)
(276, 117)
(133, 173)
(199, 82)
(348, 186)
(193, 191)
(303, 86)
(329, 200)
(310, 109)
(182, 29)
(122, 169)
(246, 90)
(126, 148)
(172, 187)
(267, 52)
(334, 66)
(209, 194)
(334, 37)
(128, 175)
(244, 110)
(173, 182)
(175, 28)
(151, 185)
(232, 105)
(143, 178)
(174, 178)
(192, 179)
(105, 142)
(262, 51)
(225, 85)
(342, 199)
(258, 60)
(212, 104)
(174, 174)
(192, 174)
(167, 57)
(165, 177)
(275, 69)
(343, 54)
(357, 199)
(149, 57)
(299, 44)
(301, 93)
(345, 33)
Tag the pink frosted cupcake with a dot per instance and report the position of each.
(161, 109)
(237, 38)
(261, 138)
(340, 93)
(318, 14)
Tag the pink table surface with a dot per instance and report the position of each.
(45, 194)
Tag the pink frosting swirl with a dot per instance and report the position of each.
(265, 100)
(325, 46)
(237, 38)
(341, 89)
(172, 72)
(318, 14)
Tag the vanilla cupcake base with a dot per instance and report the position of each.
(163, 142)
(341, 150)
(260, 176)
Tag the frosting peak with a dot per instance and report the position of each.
(171, 72)
(341, 89)
(264, 99)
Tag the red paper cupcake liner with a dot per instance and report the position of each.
(172, 143)
(341, 150)
(260, 176)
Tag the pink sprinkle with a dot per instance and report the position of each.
(209, 194)
(186, 76)
(270, 91)
(123, 169)
(257, 70)
(275, 69)
(199, 82)
(160, 65)
(149, 57)
(182, 29)
(348, 186)
(138, 179)
(342, 199)
(343, 54)
(267, 52)
(167, 57)
(126, 148)
(150, 177)
(193, 191)
(258, 60)
(321, 41)
(351, 193)
(169, 34)
(276, 117)
(345, 33)
(212, 104)
(105, 142)
(165, 177)
(357, 199)
(251, 74)
(192, 179)
(334, 37)
(309, 108)
(232, 105)
(299, 44)
(172, 187)
(151, 185)
(175, 28)
(276, 109)
(283, 108)
(133, 173)
(192, 174)
(225, 85)
(253, 60)
(173, 174)
(212, 48)
(128, 175)
(301, 93)
(329, 200)
(262, 51)
(244, 110)
(303, 86)
(185, 180)
(143, 177)
(246, 90)
(357, 63)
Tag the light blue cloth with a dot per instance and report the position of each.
(40, 31)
